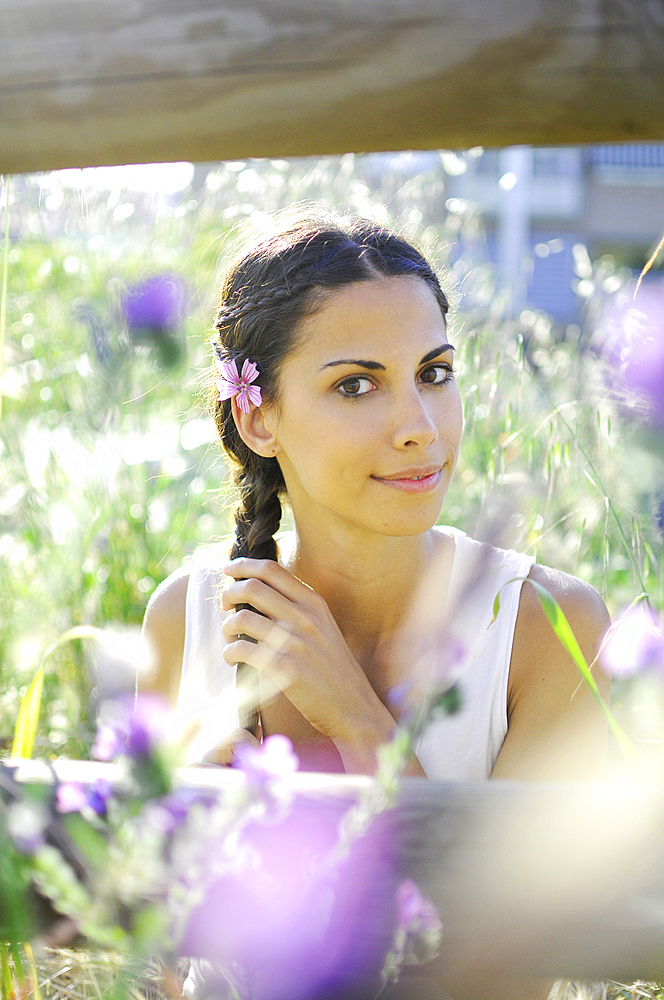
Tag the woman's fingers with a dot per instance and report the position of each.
(248, 623)
(258, 595)
(267, 660)
(268, 572)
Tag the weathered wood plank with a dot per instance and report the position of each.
(542, 879)
(109, 81)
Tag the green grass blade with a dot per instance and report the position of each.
(28, 717)
(7, 985)
(564, 632)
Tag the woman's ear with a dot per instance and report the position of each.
(256, 428)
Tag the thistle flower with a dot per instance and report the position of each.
(156, 304)
(153, 311)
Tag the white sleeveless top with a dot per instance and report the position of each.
(461, 747)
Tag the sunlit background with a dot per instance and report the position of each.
(109, 471)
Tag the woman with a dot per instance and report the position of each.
(341, 325)
(359, 425)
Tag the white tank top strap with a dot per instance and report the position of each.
(464, 747)
(207, 702)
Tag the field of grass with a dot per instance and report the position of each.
(109, 470)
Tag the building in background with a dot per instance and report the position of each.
(543, 207)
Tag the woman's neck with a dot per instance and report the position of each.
(368, 583)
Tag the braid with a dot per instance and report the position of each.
(227, 313)
(257, 518)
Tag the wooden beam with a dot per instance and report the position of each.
(86, 82)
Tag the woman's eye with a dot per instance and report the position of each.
(357, 385)
(437, 374)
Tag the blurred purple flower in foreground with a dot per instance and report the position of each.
(274, 758)
(417, 914)
(634, 643)
(418, 932)
(72, 796)
(434, 679)
(169, 813)
(298, 929)
(131, 725)
(637, 349)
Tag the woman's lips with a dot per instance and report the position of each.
(412, 481)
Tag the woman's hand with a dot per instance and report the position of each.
(299, 647)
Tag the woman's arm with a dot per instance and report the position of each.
(556, 731)
(163, 630)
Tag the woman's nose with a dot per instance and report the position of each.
(414, 427)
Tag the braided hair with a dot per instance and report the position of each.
(267, 294)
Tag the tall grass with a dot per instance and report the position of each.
(109, 474)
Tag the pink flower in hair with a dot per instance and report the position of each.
(232, 384)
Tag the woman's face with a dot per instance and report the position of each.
(369, 416)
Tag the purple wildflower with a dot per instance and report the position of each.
(73, 796)
(634, 643)
(155, 304)
(170, 812)
(417, 914)
(636, 349)
(131, 725)
(108, 744)
(436, 674)
(274, 758)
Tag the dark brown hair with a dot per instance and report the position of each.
(267, 293)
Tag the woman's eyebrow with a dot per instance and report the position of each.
(374, 366)
(437, 351)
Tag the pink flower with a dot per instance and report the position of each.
(231, 384)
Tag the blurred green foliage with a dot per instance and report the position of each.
(109, 472)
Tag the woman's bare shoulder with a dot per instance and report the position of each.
(163, 629)
(549, 706)
(578, 599)
(536, 646)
